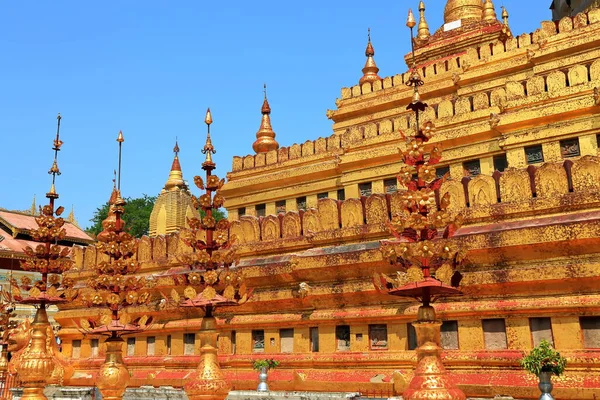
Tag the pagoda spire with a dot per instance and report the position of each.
(370, 70)
(175, 180)
(489, 12)
(423, 31)
(265, 137)
(33, 209)
(463, 9)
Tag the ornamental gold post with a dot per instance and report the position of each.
(115, 287)
(423, 251)
(39, 364)
(209, 277)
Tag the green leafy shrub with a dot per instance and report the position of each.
(268, 363)
(544, 358)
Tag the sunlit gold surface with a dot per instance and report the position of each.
(36, 363)
(423, 31)
(113, 376)
(265, 137)
(489, 12)
(463, 9)
(208, 382)
(430, 380)
(370, 69)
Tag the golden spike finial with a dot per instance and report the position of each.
(370, 69)
(120, 138)
(175, 175)
(33, 209)
(423, 31)
(489, 12)
(54, 171)
(505, 16)
(176, 148)
(411, 22)
(208, 149)
(265, 137)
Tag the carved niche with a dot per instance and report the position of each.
(328, 214)
(270, 228)
(457, 194)
(235, 229)
(482, 191)
(291, 225)
(551, 180)
(536, 85)
(515, 185)
(77, 257)
(585, 173)
(396, 206)
(310, 221)
(144, 253)
(89, 257)
(376, 209)
(578, 75)
(250, 231)
(556, 81)
(352, 213)
(172, 244)
(159, 248)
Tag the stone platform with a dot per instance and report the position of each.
(171, 393)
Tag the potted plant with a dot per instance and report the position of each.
(543, 361)
(263, 366)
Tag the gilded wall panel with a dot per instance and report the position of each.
(328, 214)
(514, 90)
(482, 191)
(376, 209)
(556, 81)
(295, 151)
(352, 135)
(580, 20)
(565, 24)
(462, 105)
(250, 231)
(172, 244)
(291, 225)
(320, 145)
(89, 258)
(77, 254)
(352, 213)
(237, 164)
(515, 185)
(594, 16)
(524, 40)
(485, 51)
(248, 162)
(385, 126)
(308, 148)
(377, 85)
(498, 97)
(595, 70)
(536, 85)
(511, 43)
(578, 75)
(283, 154)
(159, 248)
(236, 230)
(366, 88)
(272, 157)
(481, 101)
(551, 180)
(270, 228)
(260, 160)
(334, 142)
(144, 253)
(396, 206)
(445, 109)
(370, 130)
(310, 221)
(387, 82)
(586, 173)
(457, 194)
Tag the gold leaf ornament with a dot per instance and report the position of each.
(175, 296)
(34, 292)
(414, 274)
(444, 274)
(143, 320)
(209, 293)
(189, 292)
(84, 323)
(229, 293)
(124, 319)
(106, 320)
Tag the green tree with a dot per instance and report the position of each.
(137, 216)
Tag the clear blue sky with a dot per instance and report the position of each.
(151, 68)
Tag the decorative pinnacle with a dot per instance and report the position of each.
(423, 31)
(489, 12)
(208, 149)
(54, 171)
(265, 137)
(120, 138)
(504, 15)
(370, 69)
(410, 20)
(176, 148)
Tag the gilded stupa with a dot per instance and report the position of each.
(174, 203)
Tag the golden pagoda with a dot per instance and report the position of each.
(174, 203)
(517, 118)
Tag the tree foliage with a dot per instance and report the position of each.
(137, 216)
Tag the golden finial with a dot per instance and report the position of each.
(175, 175)
(423, 31)
(208, 149)
(54, 171)
(370, 70)
(33, 209)
(504, 15)
(489, 12)
(120, 139)
(463, 9)
(265, 137)
(410, 20)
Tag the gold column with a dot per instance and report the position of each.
(208, 382)
(36, 363)
(113, 376)
(431, 381)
